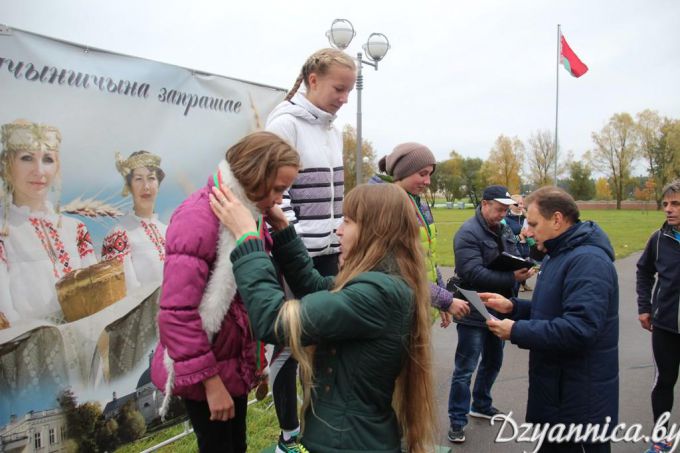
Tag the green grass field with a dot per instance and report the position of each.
(262, 432)
(627, 230)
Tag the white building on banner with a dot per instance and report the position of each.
(36, 431)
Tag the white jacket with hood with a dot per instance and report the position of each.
(314, 202)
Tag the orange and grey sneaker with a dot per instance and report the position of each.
(659, 447)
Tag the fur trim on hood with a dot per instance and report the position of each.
(221, 287)
(219, 292)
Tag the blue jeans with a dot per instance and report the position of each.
(473, 342)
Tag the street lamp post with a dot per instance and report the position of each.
(376, 47)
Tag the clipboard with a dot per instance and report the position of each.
(507, 262)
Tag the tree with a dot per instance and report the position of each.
(602, 189)
(671, 142)
(86, 418)
(349, 152)
(659, 140)
(474, 180)
(505, 163)
(616, 151)
(542, 158)
(106, 434)
(87, 415)
(437, 183)
(648, 128)
(131, 424)
(580, 184)
(69, 405)
(448, 178)
(646, 191)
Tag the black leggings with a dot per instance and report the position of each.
(666, 349)
(284, 391)
(218, 436)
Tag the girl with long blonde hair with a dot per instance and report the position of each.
(368, 379)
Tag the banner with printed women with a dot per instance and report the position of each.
(97, 150)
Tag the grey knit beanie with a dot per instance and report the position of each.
(406, 159)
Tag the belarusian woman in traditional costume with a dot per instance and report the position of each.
(38, 246)
(139, 237)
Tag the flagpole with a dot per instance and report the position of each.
(557, 97)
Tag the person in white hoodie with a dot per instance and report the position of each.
(314, 202)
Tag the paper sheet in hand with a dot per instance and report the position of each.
(476, 302)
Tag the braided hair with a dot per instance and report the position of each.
(320, 62)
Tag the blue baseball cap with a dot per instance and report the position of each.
(499, 194)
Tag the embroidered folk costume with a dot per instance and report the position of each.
(139, 242)
(37, 247)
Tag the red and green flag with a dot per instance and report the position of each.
(570, 61)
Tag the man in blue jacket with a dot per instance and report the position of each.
(570, 326)
(477, 244)
(659, 305)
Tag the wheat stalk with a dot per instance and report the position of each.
(256, 115)
(91, 207)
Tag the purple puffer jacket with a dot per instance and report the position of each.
(191, 251)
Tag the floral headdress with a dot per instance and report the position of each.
(137, 160)
(22, 135)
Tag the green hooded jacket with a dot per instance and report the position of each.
(361, 333)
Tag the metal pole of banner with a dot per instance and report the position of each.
(557, 96)
(186, 432)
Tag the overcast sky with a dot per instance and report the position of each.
(459, 73)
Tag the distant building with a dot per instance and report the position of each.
(36, 431)
(114, 406)
(147, 397)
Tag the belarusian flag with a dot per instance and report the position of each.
(569, 59)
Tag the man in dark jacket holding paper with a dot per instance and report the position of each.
(477, 245)
(570, 326)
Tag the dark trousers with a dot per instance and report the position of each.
(571, 447)
(218, 436)
(666, 349)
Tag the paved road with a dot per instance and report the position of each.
(636, 370)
